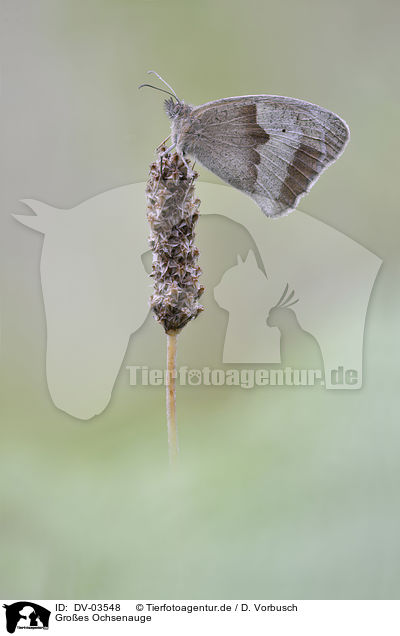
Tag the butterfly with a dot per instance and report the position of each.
(272, 148)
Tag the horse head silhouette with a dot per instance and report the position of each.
(95, 291)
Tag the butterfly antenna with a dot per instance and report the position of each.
(159, 89)
(164, 82)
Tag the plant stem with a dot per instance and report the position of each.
(171, 397)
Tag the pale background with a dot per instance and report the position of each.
(281, 493)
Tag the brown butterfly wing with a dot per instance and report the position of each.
(272, 148)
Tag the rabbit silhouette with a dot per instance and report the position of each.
(299, 349)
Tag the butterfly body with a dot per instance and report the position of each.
(272, 148)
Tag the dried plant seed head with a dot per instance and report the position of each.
(172, 214)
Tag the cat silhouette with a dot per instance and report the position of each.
(243, 291)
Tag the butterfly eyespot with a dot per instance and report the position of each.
(283, 129)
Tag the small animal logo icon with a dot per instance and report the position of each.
(25, 615)
(194, 377)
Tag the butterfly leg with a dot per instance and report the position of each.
(163, 142)
(185, 162)
(167, 150)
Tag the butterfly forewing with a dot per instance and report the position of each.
(273, 148)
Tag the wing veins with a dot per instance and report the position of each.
(277, 177)
(334, 150)
(293, 166)
(229, 121)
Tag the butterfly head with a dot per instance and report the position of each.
(176, 109)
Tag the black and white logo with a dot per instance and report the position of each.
(26, 615)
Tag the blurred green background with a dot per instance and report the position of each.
(280, 493)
